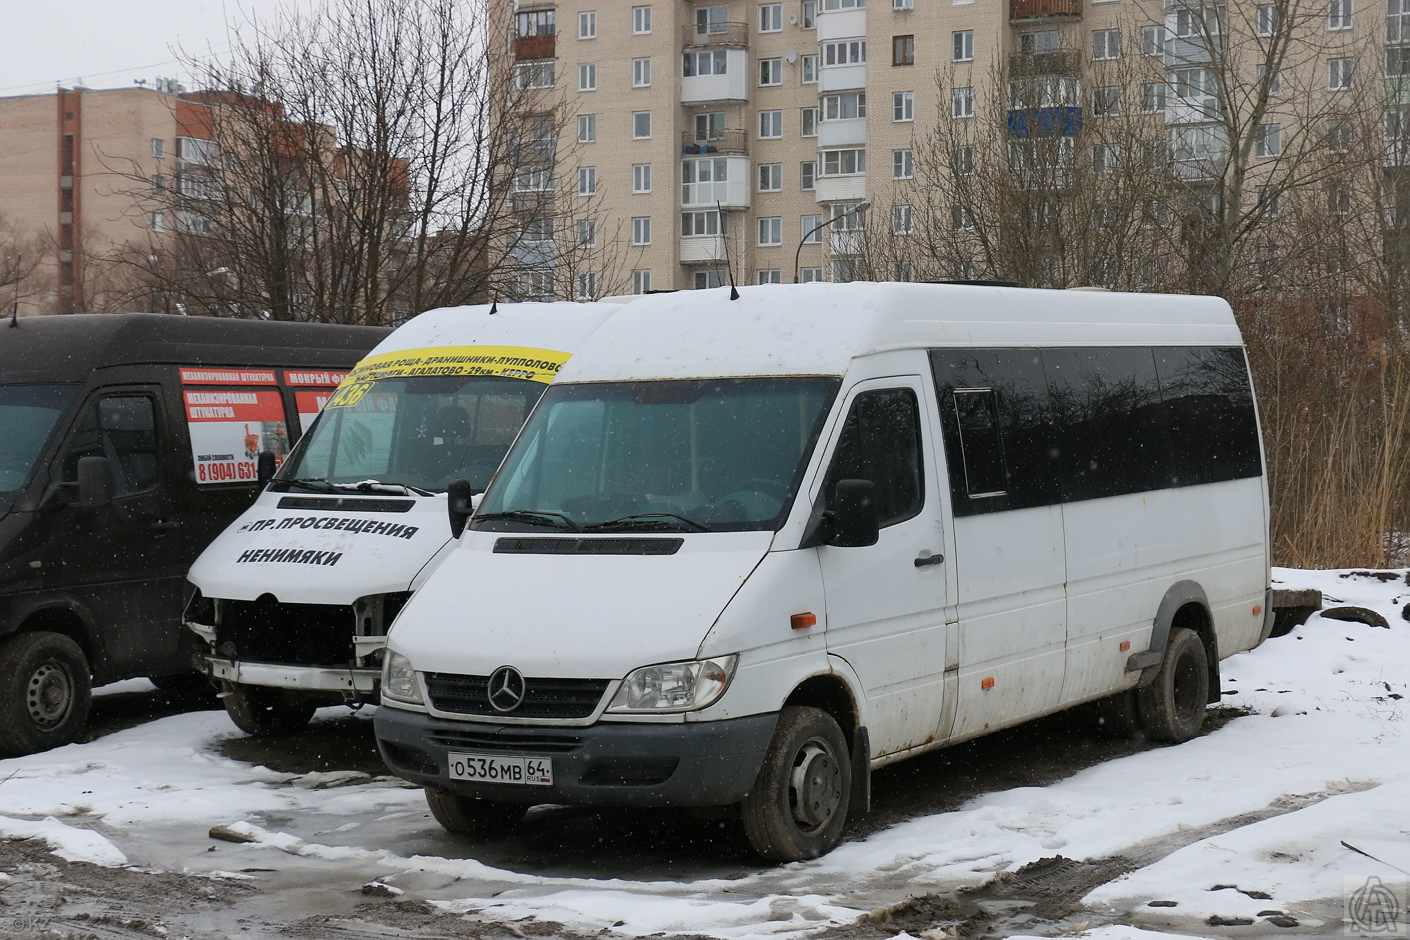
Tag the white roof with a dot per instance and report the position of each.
(816, 329)
(557, 326)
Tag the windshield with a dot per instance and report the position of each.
(28, 414)
(689, 455)
(417, 431)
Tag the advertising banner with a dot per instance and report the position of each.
(229, 428)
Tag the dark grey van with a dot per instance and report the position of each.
(127, 443)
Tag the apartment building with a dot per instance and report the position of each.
(757, 136)
(74, 167)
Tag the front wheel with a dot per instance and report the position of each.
(260, 711)
(1172, 707)
(469, 816)
(799, 801)
(45, 689)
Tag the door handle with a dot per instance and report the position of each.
(925, 561)
(164, 525)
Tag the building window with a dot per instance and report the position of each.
(1339, 14)
(533, 180)
(809, 275)
(641, 279)
(641, 230)
(808, 174)
(158, 147)
(1267, 19)
(1275, 84)
(587, 285)
(1269, 142)
(587, 24)
(705, 62)
(770, 17)
(158, 183)
(903, 50)
(587, 233)
(809, 13)
(587, 76)
(808, 122)
(844, 162)
(902, 164)
(534, 74)
(770, 71)
(901, 220)
(1152, 40)
(844, 106)
(962, 49)
(770, 125)
(1268, 201)
(1340, 130)
(587, 180)
(832, 6)
(641, 20)
(704, 280)
(1040, 42)
(1153, 97)
(963, 161)
(808, 69)
(770, 177)
(159, 221)
(641, 73)
(641, 125)
(641, 178)
(811, 226)
(1339, 198)
(1338, 74)
(704, 181)
(903, 106)
(703, 222)
(1106, 100)
(1104, 158)
(960, 219)
(770, 276)
(771, 230)
(587, 128)
(1106, 44)
(962, 102)
(845, 52)
(902, 5)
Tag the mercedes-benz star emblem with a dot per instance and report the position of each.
(506, 689)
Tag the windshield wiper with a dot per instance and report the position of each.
(648, 520)
(534, 516)
(368, 486)
(313, 484)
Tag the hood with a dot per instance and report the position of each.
(575, 615)
(307, 549)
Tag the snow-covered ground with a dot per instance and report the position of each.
(1324, 747)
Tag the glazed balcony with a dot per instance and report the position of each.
(1042, 9)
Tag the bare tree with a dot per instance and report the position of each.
(21, 253)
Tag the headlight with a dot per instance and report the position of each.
(399, 680)
(674, 687)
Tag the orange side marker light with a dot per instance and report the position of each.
(987, 684)
(803, 621)
(1257, 609)
(1125, 645)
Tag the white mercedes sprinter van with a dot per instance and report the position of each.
(294, 598)
(746, 551)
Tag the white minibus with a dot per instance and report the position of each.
(293, 600)
(746, 551)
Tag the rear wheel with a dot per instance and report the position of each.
(799, 801)
(1172, 707)
(469, 816)
(259, 710)
(45, 691)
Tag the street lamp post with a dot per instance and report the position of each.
(858, 209)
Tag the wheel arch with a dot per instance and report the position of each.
(1186, 605)
(833, 694)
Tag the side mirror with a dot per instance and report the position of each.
(265, 465)
(95, 482)
(854, 519)
(460, 503)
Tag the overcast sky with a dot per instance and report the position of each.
(109, 43)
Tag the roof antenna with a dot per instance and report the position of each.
(494, 306)
(15, 314)
(729, 265)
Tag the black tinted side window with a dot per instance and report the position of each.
(1212, 427)
(1112, 436)
(880, 441)
(122, 428)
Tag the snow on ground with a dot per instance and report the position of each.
(1326, 734)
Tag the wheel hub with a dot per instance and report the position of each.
(49, 695)
(816, 786)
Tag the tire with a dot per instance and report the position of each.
(46, 689)
(1172, 707)
(468, 816)
(799, 801)
(261, 711)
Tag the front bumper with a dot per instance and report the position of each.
(299, 678)
(710, 763)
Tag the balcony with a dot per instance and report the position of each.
(730, 85)
(851, 187)
(842, 133)
(726, 141)
(846, 242)
(1045, 122)
(702, 249)
(723, 182)
(542, 46)
(1041, 9)
(716, 34)
(841, 78)
(1027, 64)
